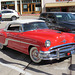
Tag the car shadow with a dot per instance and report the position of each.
(72, 67)
(15, 55)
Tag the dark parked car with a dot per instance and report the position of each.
(62, 21)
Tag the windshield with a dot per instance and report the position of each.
(34, 26)
(64, 16)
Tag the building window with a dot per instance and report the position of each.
(25, 8)
(27, 1)
(38, 0)
(38, 7)
(34, 0)
(63, 0)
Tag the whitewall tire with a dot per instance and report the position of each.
(34, 55)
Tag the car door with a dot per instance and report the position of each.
(3, 14)
(13, 36)
(6, 14)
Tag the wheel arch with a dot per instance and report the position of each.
(30, 48)
(13, 16)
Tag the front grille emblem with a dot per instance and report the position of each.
(64, 41)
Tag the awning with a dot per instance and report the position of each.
(64, 4)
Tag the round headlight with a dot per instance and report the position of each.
(47, 43)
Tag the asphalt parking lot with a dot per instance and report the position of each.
(16, 63)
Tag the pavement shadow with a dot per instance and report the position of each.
(16, 55)
(51, 61)
(19, 56)
(22, 57)
(72, 67)
(38, 71)
(9, 62)
(13, 54)
(66, 74)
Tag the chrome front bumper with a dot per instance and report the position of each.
(58, 52)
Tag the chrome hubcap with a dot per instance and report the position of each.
(35, 55)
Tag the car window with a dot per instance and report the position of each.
(65, 16)
(7, 11)
(34, 26)
(4, 11)
(14, 27)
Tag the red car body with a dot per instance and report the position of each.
(23, 41)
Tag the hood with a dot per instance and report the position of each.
(56, 37)
(69, 24)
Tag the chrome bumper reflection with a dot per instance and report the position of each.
(58, 52)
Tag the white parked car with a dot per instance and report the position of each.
(9, 14)
(73, 13)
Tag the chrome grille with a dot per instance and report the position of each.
(60, 50)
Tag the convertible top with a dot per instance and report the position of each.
(26, 21)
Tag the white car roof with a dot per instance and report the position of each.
(26, 21)
(23, 22)
(7, 10)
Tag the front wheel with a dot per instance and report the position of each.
(34, 55)
(13, 18)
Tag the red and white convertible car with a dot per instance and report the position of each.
(33, 38)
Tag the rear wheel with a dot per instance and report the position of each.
(13, 18)
(34, 55)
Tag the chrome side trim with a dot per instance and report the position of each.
(7, 39)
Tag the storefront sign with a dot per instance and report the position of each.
(55, 9)
(10, 3)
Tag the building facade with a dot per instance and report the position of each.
(22, 6)
(58, 5)
(38, 6)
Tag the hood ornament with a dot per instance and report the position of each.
(64, 41)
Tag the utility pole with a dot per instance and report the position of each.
(16, 5)
(21, 7)
(0, 4)
(43, 6)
